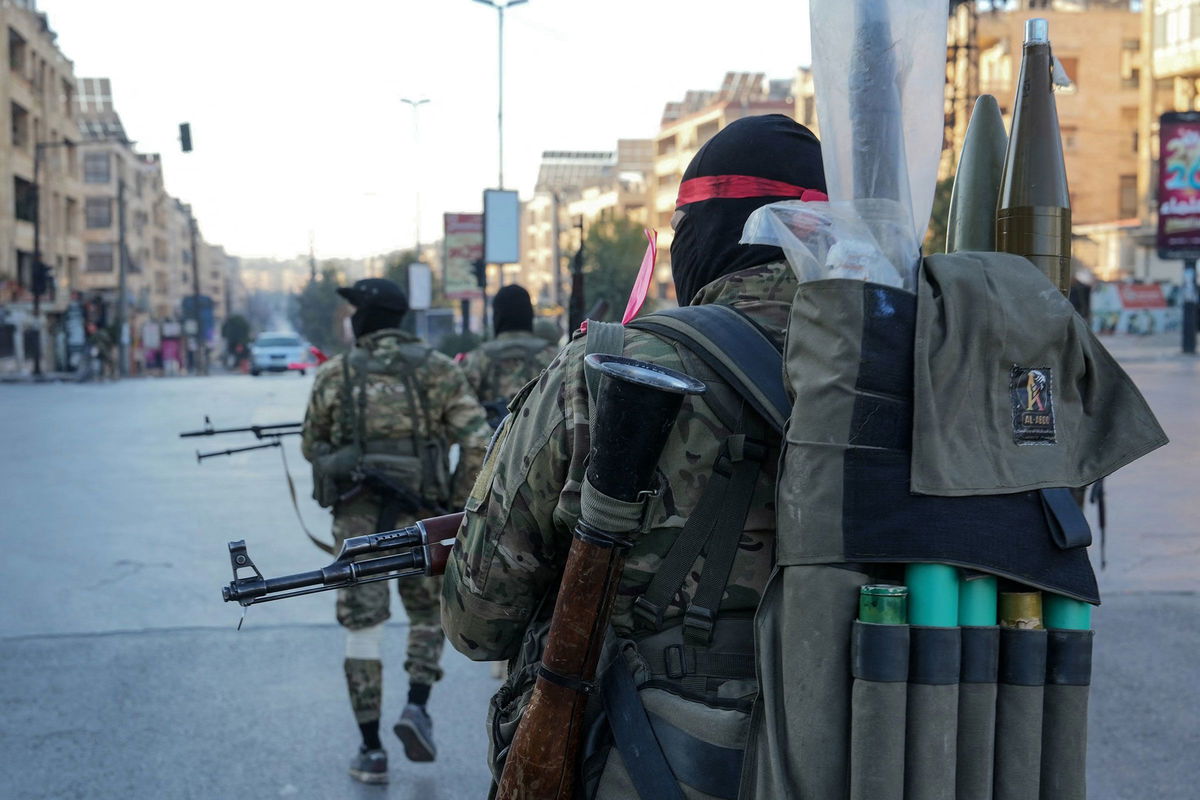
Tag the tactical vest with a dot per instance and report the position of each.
(407, 474)
(672, 712)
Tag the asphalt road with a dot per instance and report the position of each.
(121, 674)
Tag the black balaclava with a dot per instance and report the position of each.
(753, 161)
(512, 310)
(369, 319)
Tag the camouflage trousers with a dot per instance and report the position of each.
(366, 606)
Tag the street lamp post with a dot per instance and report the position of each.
(415, 105)
(500, 7)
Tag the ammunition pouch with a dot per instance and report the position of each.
(333, 473)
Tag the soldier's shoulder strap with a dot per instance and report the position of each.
(605, 338)
(732, 346)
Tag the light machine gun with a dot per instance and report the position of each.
(269, 434)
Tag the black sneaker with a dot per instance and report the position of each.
(369, 766)
(415, 730)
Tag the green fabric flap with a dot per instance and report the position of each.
(1012, 391)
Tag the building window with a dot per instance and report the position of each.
(1070, 65)
(97, 168)
(160, 250)
(1128, 196)
(1069, 133)
(707, 131)
(20, 126)
(98, 211)
(100, 257)
(25, 199)
(16, 52)
(666, 146)
(24, 268)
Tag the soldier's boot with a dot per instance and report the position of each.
(415, 730)
(370, 766)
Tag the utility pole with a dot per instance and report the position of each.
(36, 277)
(415, 105)
(122, 339)
(500, 7)
(198, 338)
(41, 273)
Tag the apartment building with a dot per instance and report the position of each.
(39, 190)
(575, 189)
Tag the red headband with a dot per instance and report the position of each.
(726, 187)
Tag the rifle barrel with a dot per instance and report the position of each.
(276, 429)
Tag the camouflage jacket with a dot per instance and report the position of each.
(514, 539)
(453, 413)
(498, 369)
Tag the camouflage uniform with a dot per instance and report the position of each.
(500, 368)
(521, 512)
(456, 417)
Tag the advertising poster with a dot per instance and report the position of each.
(464, 244)
(1136, 308)
(1179, 185)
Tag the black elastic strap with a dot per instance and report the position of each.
(566, 681)
(1068, 525)
(634, 738)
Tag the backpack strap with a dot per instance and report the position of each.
(737, 350)
(606, 338)
(733, 347)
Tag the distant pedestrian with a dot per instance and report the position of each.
(498, 369)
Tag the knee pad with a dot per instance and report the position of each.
(365, 643)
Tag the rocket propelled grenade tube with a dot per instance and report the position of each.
(1033, 218)
(636, 407)
(972, 221)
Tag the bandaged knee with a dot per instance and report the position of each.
(365, 643)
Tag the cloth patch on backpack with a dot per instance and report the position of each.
(1032, 404)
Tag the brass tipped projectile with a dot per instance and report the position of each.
(972, 221)
(1033, 218)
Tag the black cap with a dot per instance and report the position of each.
(376, 293)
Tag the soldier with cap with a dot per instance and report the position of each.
(498, 369)
(378, 427)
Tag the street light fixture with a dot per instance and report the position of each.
(415, 105)
(500, 7)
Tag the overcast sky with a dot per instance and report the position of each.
(296, 112)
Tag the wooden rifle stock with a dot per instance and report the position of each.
(542, 760)
(636, 408)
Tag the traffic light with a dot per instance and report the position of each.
(41, 279)
(480, 272)
(185, 136)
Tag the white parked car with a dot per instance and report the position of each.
(278, 352)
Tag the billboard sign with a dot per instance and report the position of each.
(463, 238)
(501, 227)
(1179, 185)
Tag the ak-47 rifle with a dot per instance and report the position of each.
(270, 434)
(636, 406)
(427, 544)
